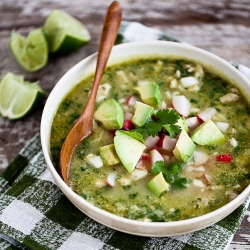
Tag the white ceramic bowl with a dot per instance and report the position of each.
(122, 53)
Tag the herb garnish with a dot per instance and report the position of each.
(171, 173)
(165, 118)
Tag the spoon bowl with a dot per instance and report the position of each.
(84, 124)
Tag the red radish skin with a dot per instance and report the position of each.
(131, 101)
(151, 141)
(207, 114)
(128, 125)
(145, 156)
(224, 158)
(144, 163)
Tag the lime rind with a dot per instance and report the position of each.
(64, 32)
(19, 97)
(32, 52)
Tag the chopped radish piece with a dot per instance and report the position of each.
(128, 125)
(138, 174)
(144, 162)
(181, 104)
(111, 179)
(131, 101)
(167, 143)
(224, 158)
(151, 141)
(128, 116)
(222, 126)
(200, 157)
(188, 81)
(233, 142)
(145, 156)
(94, 160)
(207, 114)
(192, 122)
(155, 156)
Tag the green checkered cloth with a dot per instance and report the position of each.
(35, 214)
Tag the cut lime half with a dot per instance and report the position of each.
(31, 52)
(64, 32)
(18, 97)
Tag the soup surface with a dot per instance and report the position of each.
(185, 168)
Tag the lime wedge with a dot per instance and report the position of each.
(18, 97)
(64, 32)
(31, 52)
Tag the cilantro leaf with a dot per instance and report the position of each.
(180, 182)
(153, 128)
(163, 118)
(171, 173)
(134, 135)
(158, 167)
(173, 130)
(167, 116)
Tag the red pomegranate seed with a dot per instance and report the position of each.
(224, 158)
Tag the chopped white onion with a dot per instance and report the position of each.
(94, 160)
(189, 81)
(222, 126)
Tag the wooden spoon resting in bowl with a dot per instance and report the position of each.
(83, 126)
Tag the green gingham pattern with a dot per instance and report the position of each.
(35, 214)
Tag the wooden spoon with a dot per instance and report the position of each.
(83, 127)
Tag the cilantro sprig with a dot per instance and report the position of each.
(163, 118)
(171, 173)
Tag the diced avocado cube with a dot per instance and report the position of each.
(184, 147)
(128, 149)
(207, 134)
(110, 114)
(150, 94)
(158, 184)
(109, 155)
(142, 113)
(182, 123)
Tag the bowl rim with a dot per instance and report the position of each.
(77, 199)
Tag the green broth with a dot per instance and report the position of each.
(135, 200)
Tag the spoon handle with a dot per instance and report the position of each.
(83, 126)
(109, 33)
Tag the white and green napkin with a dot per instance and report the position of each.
(35, 214)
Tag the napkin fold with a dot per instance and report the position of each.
(35, 214)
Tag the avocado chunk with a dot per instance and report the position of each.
(150, 94)
(182, 123)
(207, 134)
(109, 155)
(158, 184)
(142, 113)
(110, 114)
(184, 147)
(128, 149)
